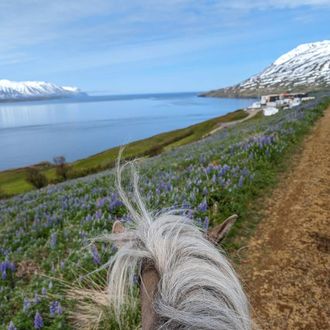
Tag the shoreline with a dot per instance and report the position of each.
(13, 181)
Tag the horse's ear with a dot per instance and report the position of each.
(118, 227)
(219, 232)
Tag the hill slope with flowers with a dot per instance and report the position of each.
(44, 235)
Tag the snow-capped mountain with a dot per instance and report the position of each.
(305, 68)
(31, 90)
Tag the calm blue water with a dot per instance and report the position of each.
(32, 132)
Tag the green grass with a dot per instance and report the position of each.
(13, 182)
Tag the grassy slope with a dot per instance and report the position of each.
(13, 182)
(71, 210)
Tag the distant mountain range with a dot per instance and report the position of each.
(34, 90)
(303, 69)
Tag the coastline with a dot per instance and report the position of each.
(13, 181)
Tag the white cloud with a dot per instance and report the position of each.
(29, 25)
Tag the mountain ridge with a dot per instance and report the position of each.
(34, 90)
(305, 68)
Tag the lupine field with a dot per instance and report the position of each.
(45, 235)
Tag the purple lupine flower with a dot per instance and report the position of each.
(12, 267)
(190, 214)
(88, 218)
(185, 205)
(169, 187)
(43, 291)
(37, 299)
(11, 326)
(38, 321)
(26, 304)
(100, 202)
(55, 308)
(59, 309)
(202, 207)
(206, 223)
(115, 203)
(98, 214)
(95, 255)
(192, 196)
(241, 181)
(53, 240)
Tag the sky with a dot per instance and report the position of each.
(147, 46)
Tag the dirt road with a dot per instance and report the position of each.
(251, 114)
(286, 268)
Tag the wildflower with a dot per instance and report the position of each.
(36, 298)
(26, 305)
(11, 326)
(115, 203)
(88, 218)
(43, 291)
(38, 321)
(206, 223)
(100, 202)
(95, 255)
(53, 240)
(202, 207)
(241, 181)
(59, 309)
(245, 171)
(55, 308)
(98, 214)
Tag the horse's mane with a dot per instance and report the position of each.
(198, 288)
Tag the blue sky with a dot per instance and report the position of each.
(138, 46)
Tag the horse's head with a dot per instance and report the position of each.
(155, 313)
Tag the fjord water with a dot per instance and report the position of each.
(31, 132)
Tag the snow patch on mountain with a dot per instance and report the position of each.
(305, 68)
(27, 90)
